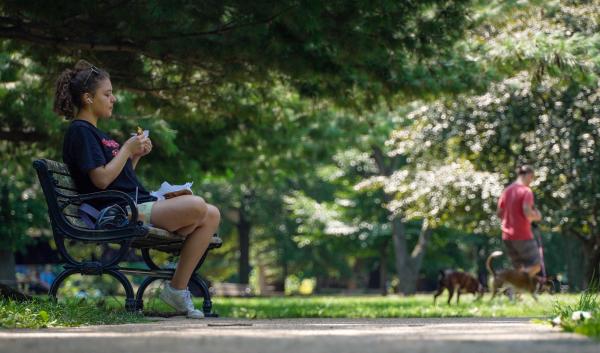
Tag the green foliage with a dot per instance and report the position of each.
(279, 113)
(573, 318)
(542, 111)
(324, 49)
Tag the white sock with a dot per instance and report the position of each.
(175, 289)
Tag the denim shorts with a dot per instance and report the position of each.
(145, 211)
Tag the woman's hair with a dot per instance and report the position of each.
(72, 84)
(525, 169)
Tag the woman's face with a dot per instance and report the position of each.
(103, 100)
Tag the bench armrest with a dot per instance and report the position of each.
(112, 194)
(133, 230)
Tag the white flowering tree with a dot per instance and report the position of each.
(553, 124)
(543, 110)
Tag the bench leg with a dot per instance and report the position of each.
(207, 303)
(59, 280)
(131, 303)
(142, 288)
(195, 280)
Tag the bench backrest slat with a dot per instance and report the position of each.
(56, 181)
(64, 182)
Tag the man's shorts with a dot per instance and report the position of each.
(523, 253)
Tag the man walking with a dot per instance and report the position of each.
(517, 211)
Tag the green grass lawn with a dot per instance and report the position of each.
(44, 313)
(385, 307)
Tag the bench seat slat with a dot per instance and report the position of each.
(76, 221)
(162, 233)
(167, 238)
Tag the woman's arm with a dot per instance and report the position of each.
(147, 148)
(135, 160)
(103, 176)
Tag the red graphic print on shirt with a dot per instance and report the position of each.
(111, 144)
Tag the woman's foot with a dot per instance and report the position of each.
(181, 300)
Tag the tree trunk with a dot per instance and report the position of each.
(402, 261)
(591, 261)
(7, 258)
(575, 262)
(419, 250)
(244, 227)
(591, 255)
(481, 252)
(407, 266)
(7, 269)
(383, 255)
(284, 269)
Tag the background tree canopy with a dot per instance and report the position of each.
(359, 143)
(168, 48)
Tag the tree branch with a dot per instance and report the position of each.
(424, 236)
(19, 31)
(22, 136)
(380, 161)
(13, 28)
(227, 27)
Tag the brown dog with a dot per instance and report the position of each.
(458, 281)
(517, 278)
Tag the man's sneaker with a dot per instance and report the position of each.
(181, 300)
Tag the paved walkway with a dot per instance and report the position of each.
(302, 335)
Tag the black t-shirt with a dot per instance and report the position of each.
(85, 147)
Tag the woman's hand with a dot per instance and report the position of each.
(138, 146)
(147, 148)
(135, 145)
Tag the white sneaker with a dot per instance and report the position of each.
(181, 300)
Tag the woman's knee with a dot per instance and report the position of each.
(213, 214)
(199, 207)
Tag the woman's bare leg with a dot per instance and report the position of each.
(194, 247)
(191, 216)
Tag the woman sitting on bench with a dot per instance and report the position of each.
(84, 95)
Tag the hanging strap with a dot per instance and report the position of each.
(538, 238)
(88, 214)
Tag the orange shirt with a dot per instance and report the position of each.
(515, 225)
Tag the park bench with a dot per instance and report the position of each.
(63, 202)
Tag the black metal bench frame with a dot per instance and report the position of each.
(63, 201)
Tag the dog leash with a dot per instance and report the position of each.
(538, 238)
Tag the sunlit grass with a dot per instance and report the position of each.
(385, 307)
(44, 313)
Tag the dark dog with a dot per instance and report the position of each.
(548, 285)
(516, 278)
(460, 282)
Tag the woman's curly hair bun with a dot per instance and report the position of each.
(72, 83)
